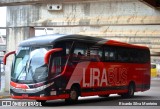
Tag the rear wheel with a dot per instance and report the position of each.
(130, 92)
(73, 95)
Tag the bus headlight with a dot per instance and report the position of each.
(42, 95)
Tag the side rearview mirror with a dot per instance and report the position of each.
(49, 53)
(6, 55)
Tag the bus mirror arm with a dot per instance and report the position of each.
(6, 55)
(49, 53)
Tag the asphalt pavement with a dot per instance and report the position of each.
(95, 102)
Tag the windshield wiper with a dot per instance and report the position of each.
(30, 71)
(20, 73)
(23, 69)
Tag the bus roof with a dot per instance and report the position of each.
(50, 39)
(122, 44)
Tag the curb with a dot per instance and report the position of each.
(155, 78)
(7, 96)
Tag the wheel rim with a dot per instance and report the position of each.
(131, 91)
(73, 95)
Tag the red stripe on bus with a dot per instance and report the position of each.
(117, 43)
(77, 75)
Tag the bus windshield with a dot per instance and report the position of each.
(29, 64)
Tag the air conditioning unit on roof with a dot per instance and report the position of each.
(54, 7)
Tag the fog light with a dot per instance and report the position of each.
(42, 95)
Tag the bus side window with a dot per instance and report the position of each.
(110, 54)
(95, 54)
(87, 52)
(79, 53)
(123, 54)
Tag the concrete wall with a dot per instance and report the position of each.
(104, 18)
(100, 13)
(130, 21)
(22, 16)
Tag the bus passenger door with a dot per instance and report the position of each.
(59, 64)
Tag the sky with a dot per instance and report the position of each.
(2, 20)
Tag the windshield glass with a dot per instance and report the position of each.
(29, 64)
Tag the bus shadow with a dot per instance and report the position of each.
(96, 101)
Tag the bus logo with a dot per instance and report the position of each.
(96, 78)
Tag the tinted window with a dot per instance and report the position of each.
(128, 55)
(95, 53)
(86, 52)
(123, 54)
(139, 55)
(109, 54)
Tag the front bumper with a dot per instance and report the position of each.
(54, 97)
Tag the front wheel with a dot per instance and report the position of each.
(73, 95)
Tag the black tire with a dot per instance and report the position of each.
(130, 93)
(107, 95)
(73, 95)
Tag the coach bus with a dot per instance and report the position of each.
(68, 66)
